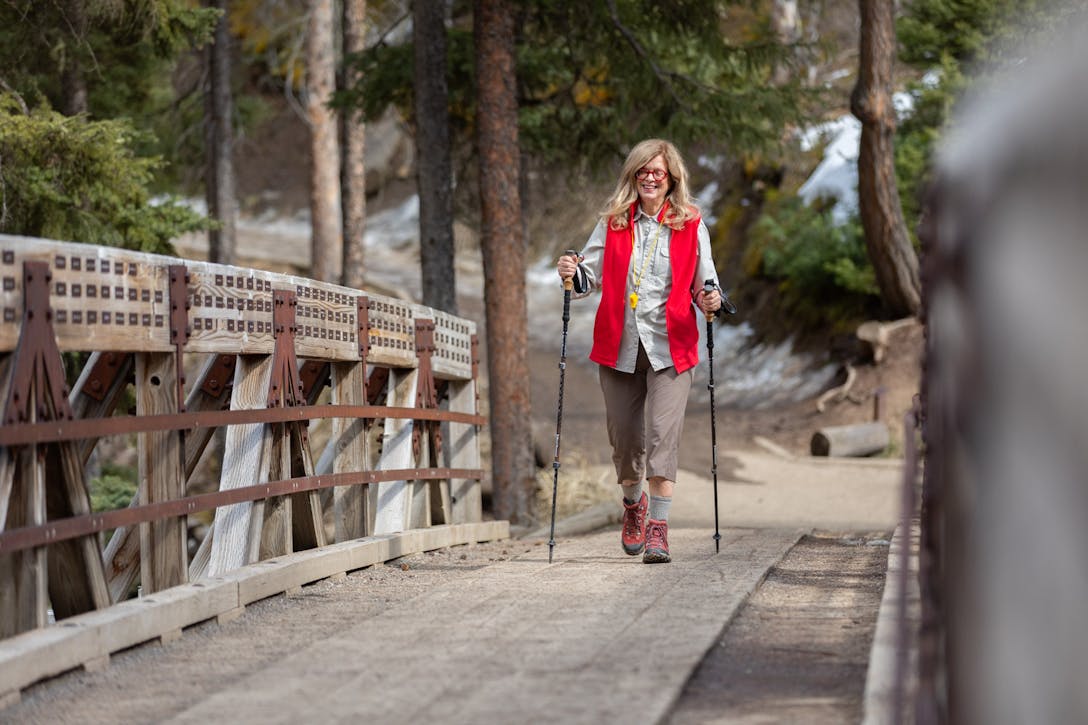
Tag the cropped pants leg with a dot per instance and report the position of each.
(645, 414)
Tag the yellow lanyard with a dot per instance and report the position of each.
(642, 268)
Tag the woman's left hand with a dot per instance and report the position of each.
(708, 302)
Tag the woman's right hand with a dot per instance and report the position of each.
(566, 266)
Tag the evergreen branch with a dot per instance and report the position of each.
(641, 52)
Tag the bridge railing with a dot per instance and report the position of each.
(207, 346)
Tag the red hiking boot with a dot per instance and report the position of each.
(657, 543)
(634, 526)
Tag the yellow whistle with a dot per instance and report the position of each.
(634, 299)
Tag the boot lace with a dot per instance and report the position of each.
(630, 520)
(655, 536)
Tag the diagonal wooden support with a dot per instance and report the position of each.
(46, 481)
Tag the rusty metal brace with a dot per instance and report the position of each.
(37, 391)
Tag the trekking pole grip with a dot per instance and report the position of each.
(568, 283)
(708, 287)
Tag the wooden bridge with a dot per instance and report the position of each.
(202, 347)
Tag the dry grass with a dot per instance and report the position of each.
(581, 486)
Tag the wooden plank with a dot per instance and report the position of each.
(77, 580)
(23, 580)
(198, 400)
(163, 544)
(464, 452)
(46, 652)
(231, 313)
(392, 510)
(452, 357)
(33, 656)
(439, 491)
(7, 455)
(103, 298)
(230, 307)
(392, 333)
(276, 514)
(121, 560)
(245, 463)
(86, 406)
(307, 522)
(198, 565)
(418, 504)
(348, 443)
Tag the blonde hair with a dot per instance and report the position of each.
(682, 208)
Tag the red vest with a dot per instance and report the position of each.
(680, 320)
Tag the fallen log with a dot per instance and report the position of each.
(860, 439)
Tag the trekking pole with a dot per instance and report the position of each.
(568, 284)
(708, 287)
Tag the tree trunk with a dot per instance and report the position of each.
(890, 251)
(326, 240)
(73, 84)
(353, 164)
(433, 166)
(219, 143)
(503, 260)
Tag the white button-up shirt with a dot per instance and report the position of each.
(646, 323)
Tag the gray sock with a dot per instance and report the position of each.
(659, 507)
(632, 493)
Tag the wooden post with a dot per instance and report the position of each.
(393, 496)
(163, 544)
(464, 452)
(349, 442)
(122, 555)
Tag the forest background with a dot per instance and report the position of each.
(507, 118)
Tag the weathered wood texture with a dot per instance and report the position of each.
(107, 299)
(862, 439)
(246, 460)
(161, 478)
(93, 636)
(464, 451)
(394, 496)
(117, 305)
(349, 445)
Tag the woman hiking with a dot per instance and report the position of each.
(649, 256)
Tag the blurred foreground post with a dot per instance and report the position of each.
(1004, 540)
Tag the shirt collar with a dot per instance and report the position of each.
(641, 214)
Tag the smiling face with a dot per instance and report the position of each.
(652, 191)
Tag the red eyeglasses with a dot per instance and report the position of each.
(658, 174)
